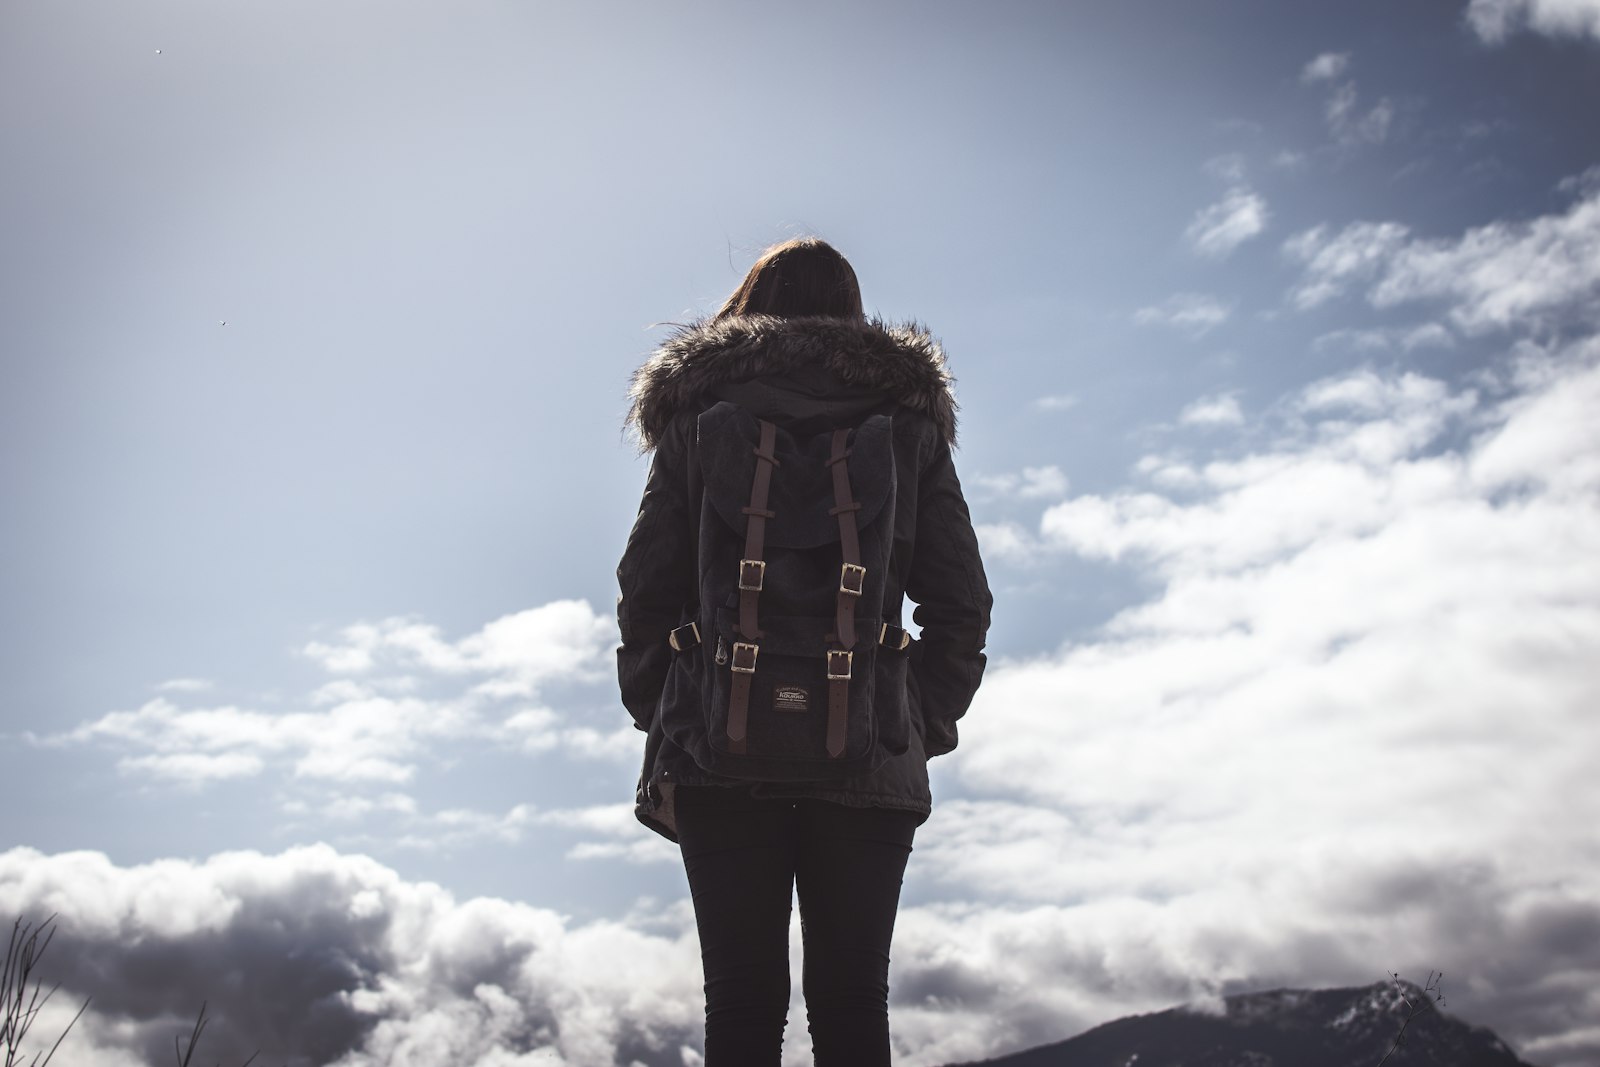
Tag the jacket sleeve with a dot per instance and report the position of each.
(656, 577)
(953, 604)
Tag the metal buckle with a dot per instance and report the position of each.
(833, 673)
(848, 571)
(883, 637)
(739, 649)
(746, 566)
(672, 638)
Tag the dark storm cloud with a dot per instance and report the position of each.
(315, 958)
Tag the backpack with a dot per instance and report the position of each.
(788, 669)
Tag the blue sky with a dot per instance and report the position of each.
(1275, 340)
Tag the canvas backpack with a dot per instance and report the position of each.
(788, 668)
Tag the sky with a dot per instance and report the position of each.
(1275, 334)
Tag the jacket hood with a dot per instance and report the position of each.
(871, 360)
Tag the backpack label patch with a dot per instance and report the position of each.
(791, 698)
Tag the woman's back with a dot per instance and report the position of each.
(792, 349)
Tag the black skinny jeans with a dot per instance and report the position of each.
(745, 858)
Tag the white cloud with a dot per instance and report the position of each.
(1503, 275)
(1357, 340)
(1356, 702)
(352, 808)
(1229, 167)
(1006, 541)
(1061, 402)
(1087, 920)
(1349, 731)
(1376, 123)
(1382, 339)
(195, 768)
(377, 730)
(1217, 230)
(1551, 441)
(376, 970)
(1350, 125)
(1171, 472)
(1495, 20)
(318, 958)
(1338, 484)
(1326, 67)
(611, 831)
(1583, 184)
(618, 745)
(1341, 105)
(374, 739)
(1033, 483)
(517, 652)
(455, 827)
(1196, 313)
(1427, 335)
(637, 850)
(184, 685)
(538, 729)
(1333, 261)
(1212, 411)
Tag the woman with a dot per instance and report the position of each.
(792, 346)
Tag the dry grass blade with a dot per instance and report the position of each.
(183, 1054)
(22, 996)
(1422, 1004)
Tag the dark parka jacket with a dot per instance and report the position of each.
(809, 374)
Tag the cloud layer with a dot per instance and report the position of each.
(1348, 731)
(312, 957)
(400, 690)
(1195, 313)
(1537, 274)
(1357, 704)
(1219, 229)
(1495, 20)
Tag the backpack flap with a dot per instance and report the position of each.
(802, 488)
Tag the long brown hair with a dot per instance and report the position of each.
(805, 276)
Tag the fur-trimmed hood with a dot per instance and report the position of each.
(902, 363)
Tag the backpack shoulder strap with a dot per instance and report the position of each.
(752, 576)
(753, 567)
(852, 580)
(852, 575)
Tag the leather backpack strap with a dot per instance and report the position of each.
(752, 576)
(753, 567)
(839, 667)
(852, 575)
(852, 580)
(743, 666)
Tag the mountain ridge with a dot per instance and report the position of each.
(1347, 1027)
